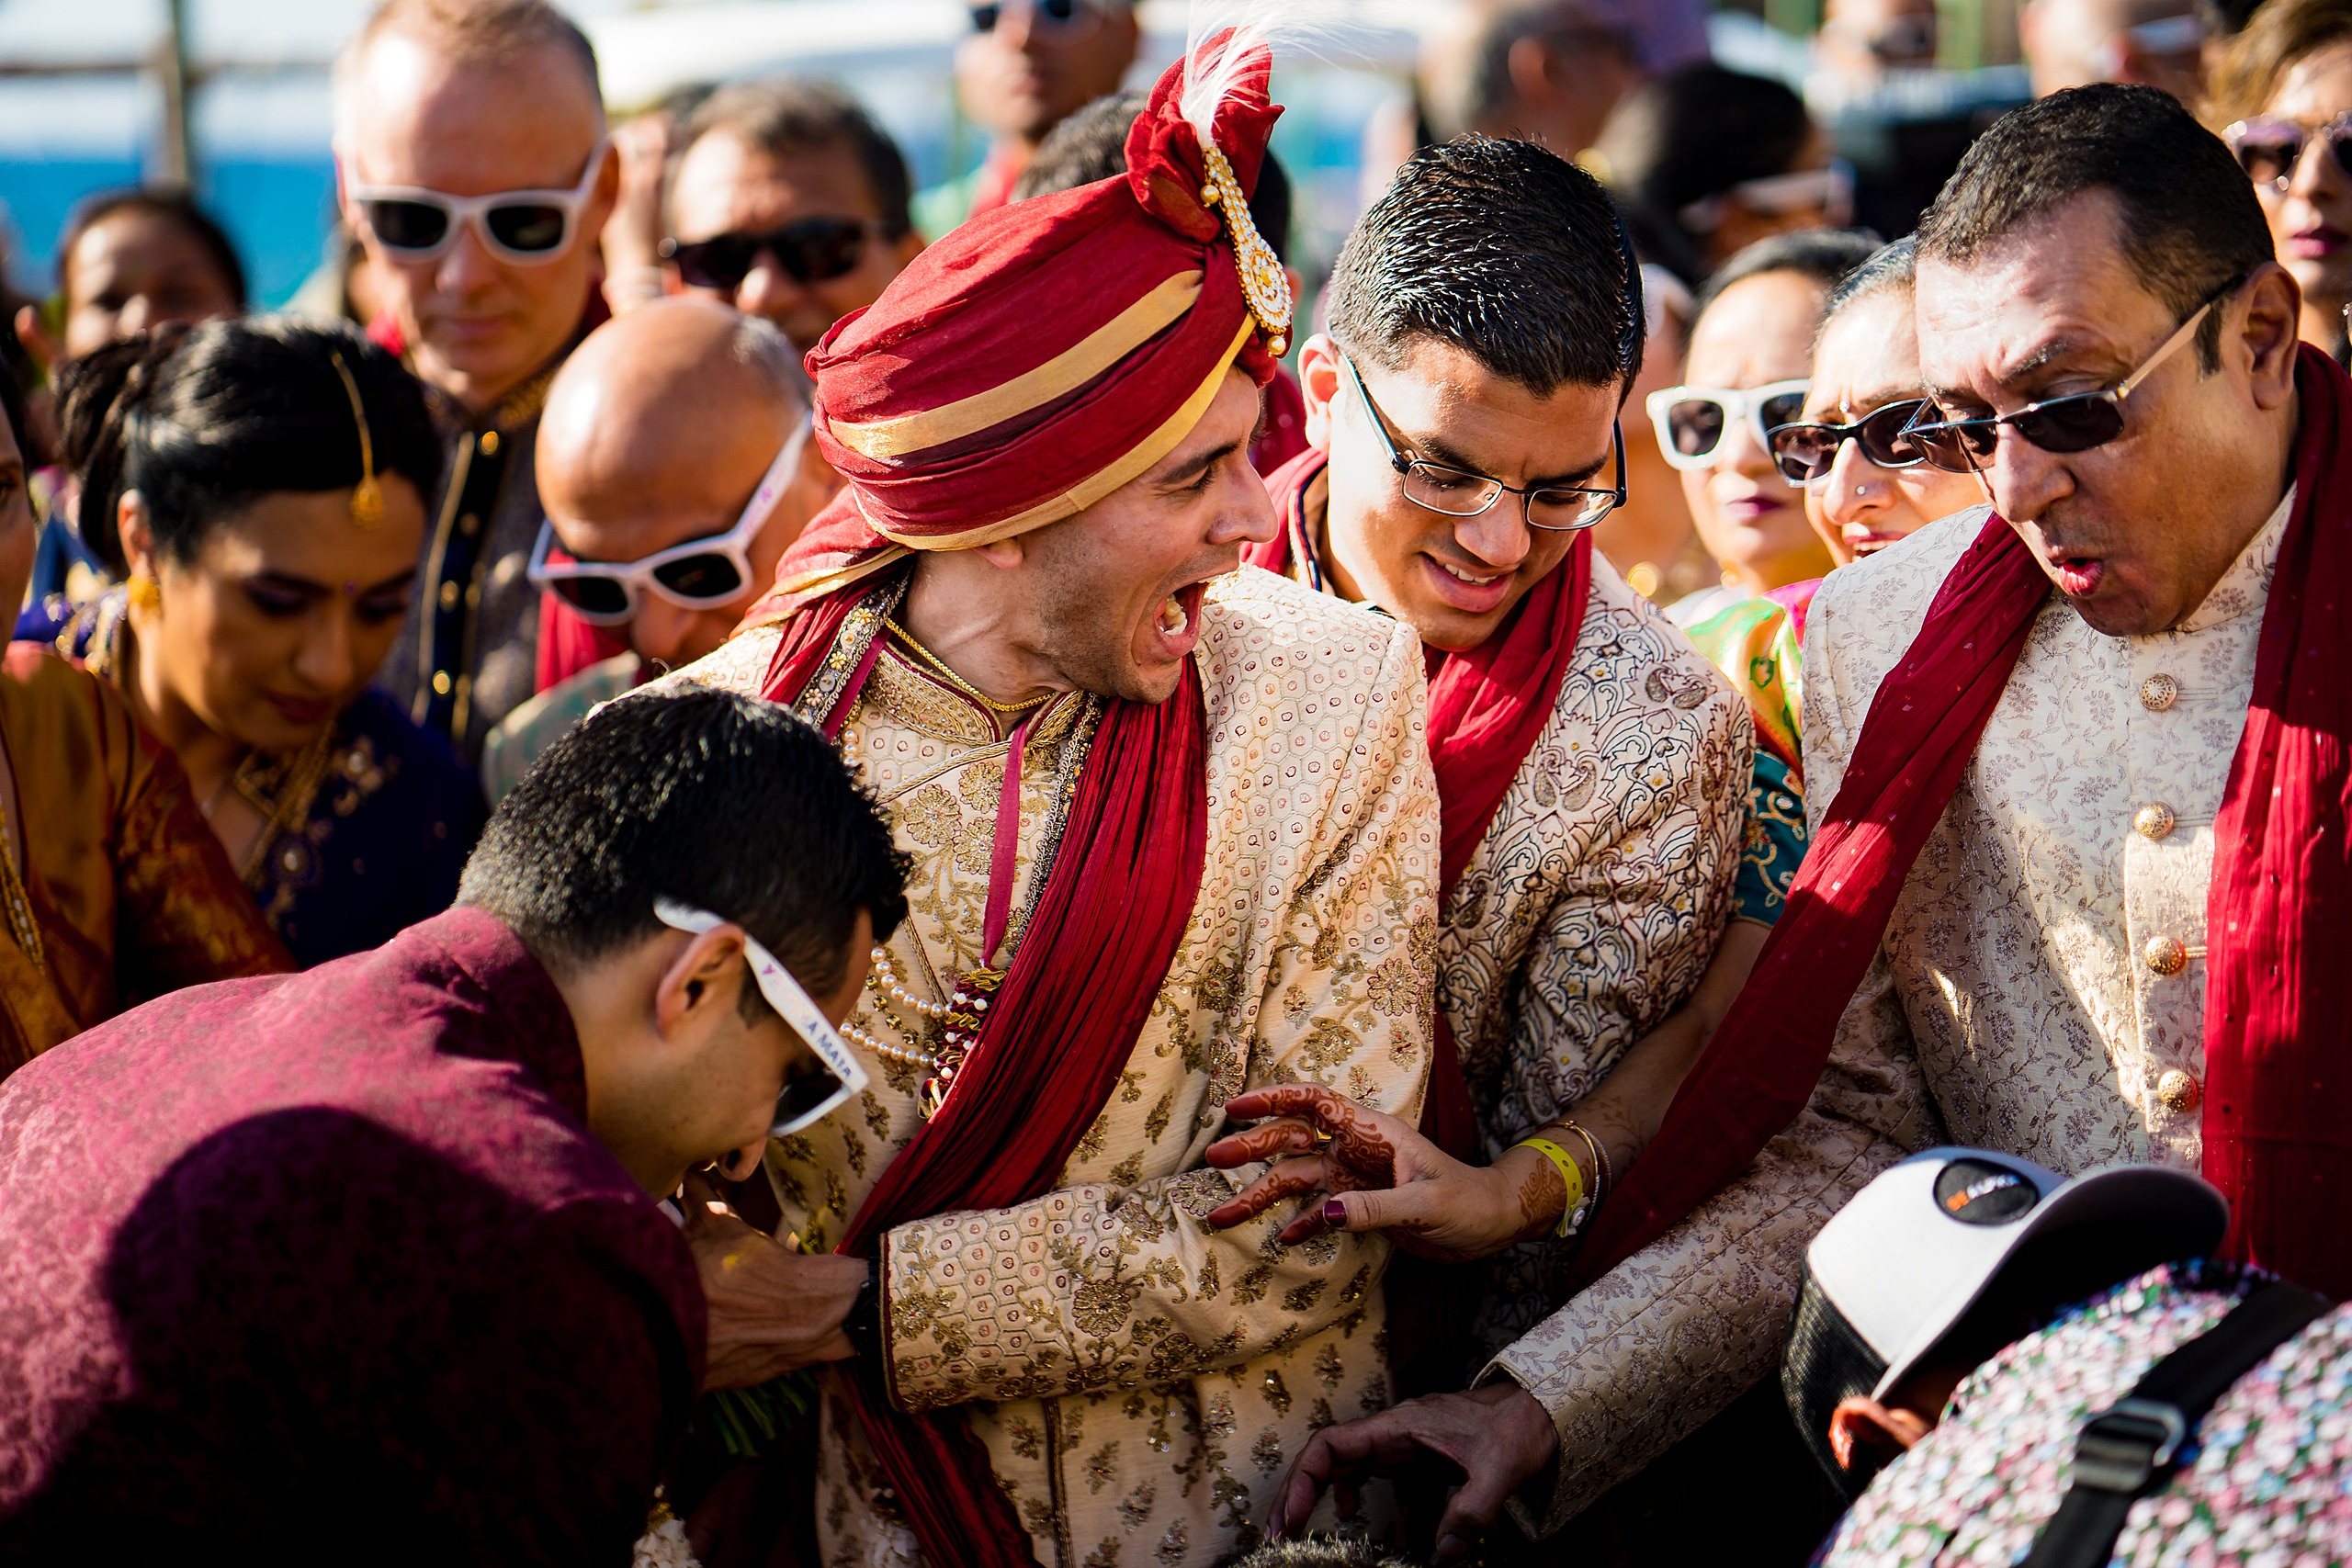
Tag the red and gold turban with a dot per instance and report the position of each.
(1044, 354)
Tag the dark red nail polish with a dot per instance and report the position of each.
(1334, 1211)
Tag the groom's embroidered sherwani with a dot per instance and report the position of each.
(1140, 1379)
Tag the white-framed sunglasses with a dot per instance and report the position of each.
(812, 1096)
(526, 227)
(1692, 421)
(699, 574)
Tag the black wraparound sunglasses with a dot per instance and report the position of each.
(2074, 423)
(1805, 452)
(813, 250)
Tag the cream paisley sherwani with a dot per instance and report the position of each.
(1585, 914)
(1599, 911)
(2017, 962)
(1140, 1379)
(2011, 1006)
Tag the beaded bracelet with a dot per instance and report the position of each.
(1572, 1209)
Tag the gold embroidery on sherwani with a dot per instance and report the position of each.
(1095, 1338)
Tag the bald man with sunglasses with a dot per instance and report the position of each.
(675, 466)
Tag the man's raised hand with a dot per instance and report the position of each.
(771, 1310)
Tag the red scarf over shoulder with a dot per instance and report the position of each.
(2277, 1120)
(1060, 1030)
(1487, 708)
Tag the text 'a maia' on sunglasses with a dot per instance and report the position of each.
(524, 227)
(813, 250)
(1806, 452)
(1063, 16)
(1692, 421)
(808, 1097)
(699, 574)
(2075, 422)
(2269, 148)
(1457, 493)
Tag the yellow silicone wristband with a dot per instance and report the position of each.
(1571, 1206)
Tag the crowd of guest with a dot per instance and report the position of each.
(1765, 818)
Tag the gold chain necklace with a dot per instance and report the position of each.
(953, 678)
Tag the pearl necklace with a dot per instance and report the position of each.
(955, 1022)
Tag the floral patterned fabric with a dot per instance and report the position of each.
(2266, 1485)
(1141, 1380)
(2078, 846)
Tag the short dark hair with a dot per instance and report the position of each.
(1825, 256)
(172, 206)
(1505, 250)
(2190, 219)
(784, 115)
(1091, 146)
(718, 800)
(201, 420)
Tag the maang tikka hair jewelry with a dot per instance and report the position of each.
(368, 496)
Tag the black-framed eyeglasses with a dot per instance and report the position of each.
(2073, 423)
(1806, 452)
(813, 250)
(1067, 18)
(1457, 493)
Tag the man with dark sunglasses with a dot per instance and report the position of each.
(2075, 761)
(1026, 66)
(471, 163)
(789, 203)
(368, 1262)
(675, 465)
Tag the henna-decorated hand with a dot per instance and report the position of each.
(1497, 1437)
(1379, 1174)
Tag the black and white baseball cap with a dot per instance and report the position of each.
(1896, 1273)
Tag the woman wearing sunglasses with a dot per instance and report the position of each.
(2284, 99)
(1752, 353)
(1866, 484)
(260, 487)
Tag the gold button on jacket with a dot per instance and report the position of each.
(2166, 955)
(2154, 820)
(2178, 1091)
(2159, 693)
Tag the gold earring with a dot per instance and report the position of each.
(146, 595)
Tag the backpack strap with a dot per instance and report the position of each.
(2128, 1449)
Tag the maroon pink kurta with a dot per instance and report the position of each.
(328, 1264)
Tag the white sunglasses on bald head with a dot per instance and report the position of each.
(812, 1096)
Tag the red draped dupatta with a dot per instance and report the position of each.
(1060, 1030)
(1487, 708)
(2277, 1120)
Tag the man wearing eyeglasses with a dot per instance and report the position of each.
(1028, 66)
(1595, 772)
(790, 203)
(366, 1262)
(2075, 761)
(674, 462)
(470, 160)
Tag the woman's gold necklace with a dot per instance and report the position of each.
(953, 678)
